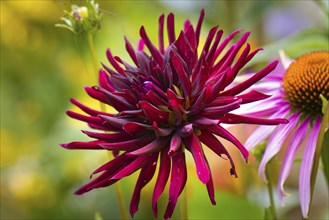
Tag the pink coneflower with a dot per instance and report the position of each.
(295, 87)
(169, 102)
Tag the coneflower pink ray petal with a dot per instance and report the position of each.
(306, 168)
(144, 178)
(285, 60)
(288, 160)
(217, 147)
(177, 181)
(276, 141)
(193, 144)
(162, 179)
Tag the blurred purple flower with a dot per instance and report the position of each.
(170, 101)
(295, 87)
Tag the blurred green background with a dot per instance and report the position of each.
(43, 66)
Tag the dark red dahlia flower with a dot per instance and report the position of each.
(172, 100)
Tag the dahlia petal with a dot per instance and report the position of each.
(177, 181)
(183, 76)
(162, 179)
(161, 132)
(134, 127)
(225, 43)
(209, 39)
(119, 103)
(234, 52)
(171, 28)
(130, 144)
(85, 118)
(101, 181)
(205, 121)
(174, 96)
(185, 130)
(251, 55)
(160, 34)
(155, 98)
(288, 160)
(217, 147)
(138, 113)
(96, 94)
(255, 78)
(131, 51)
(175, 144)
(138, 163)
(90, 145)
(186, 50)
(152, 147)
(211, 190)
(198, 27)
(153, 113)
(144, 178)
(104, 81)
(306, 168)
(178, 110)
(238, 119)
(154, 52)
(193, 144)
(210, 56)
(218, 111)
(115, 164)
(88, 110)
(252, 96)
(275, 143)
(114, 121)
(119, 136)
(113, 62)
(190, 36)
(219, 130)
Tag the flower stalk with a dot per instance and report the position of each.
(270, 193)
(319, 145)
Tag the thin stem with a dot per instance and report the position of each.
(183, 205)
(117, 187)
(270, 192)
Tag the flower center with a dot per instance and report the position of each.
(305, 80)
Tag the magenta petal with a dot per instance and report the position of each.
(90, 145)
(211, 191)
(162, 179)
(134, 127)
(144, 178)
(128, 145)
(306, 168)
(152, 147)
(217, 147)
(113, 137)
(183, 76)
(177, 181)
(132, 167)
(252, 96)
(288, 160)
(193, 144)
(153, 113)
(88, 110)
(219, 130)
(175, 144)
(171, 28)
(155, 53)
(237, 119)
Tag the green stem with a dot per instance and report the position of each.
(270, 192)
(118, 190)
(317, 153)
(183, 205)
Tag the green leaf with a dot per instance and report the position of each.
(325, 156)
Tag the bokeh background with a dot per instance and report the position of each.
(43, 66)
